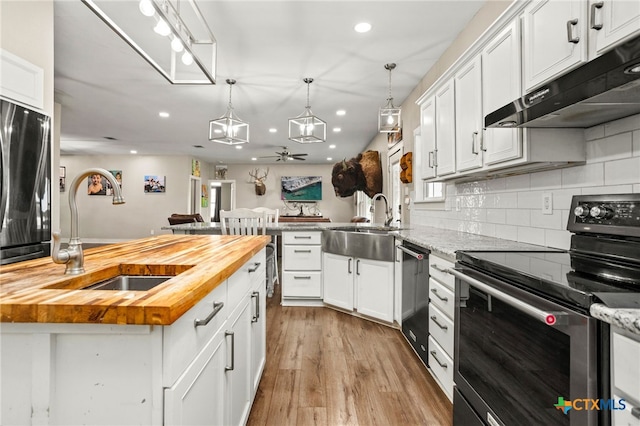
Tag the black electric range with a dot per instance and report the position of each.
(602, 265)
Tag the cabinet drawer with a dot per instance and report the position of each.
(183, 340)
(302, 284)
(441, 328)
(441, 366)
(626, 367)
(245, 277)
(300, 238)
(302, 258)
(437, 266)
(442, 297)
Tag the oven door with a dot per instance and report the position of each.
(519, 356)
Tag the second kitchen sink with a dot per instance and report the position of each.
(367, 243)
(129, 282)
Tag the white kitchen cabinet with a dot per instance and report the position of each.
(302, 268)
(427, 142)
(441, 322)
(554, 40)
(140, 374)
(258, 334)
(625, 376)
(501, 84)
(361, 285)
(445, 158)
(468, 116)
(610, 22)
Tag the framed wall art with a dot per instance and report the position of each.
(154, 184)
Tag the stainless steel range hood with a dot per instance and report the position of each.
(604, 89)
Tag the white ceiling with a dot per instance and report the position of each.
(107, 90)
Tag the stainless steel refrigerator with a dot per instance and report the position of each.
(25, 183)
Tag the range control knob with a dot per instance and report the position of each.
(601, 212)
(581, 211)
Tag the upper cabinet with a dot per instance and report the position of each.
(611, 21)
(554, 39)
(468, 116)
(560, 35)
(438, 133)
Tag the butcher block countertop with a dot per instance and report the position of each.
(39, 291)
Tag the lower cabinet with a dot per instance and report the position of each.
(625, 377)
(203, 369)
(301, 268)
(363, 285)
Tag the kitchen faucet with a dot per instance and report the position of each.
(73, 255)
(387, 222)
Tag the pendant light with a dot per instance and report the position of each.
(229, 129)
(389, 115)
(307, 128)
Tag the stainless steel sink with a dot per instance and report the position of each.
(129, 282)
(377, 243)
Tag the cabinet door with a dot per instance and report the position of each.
(611, 21)
(501, 84)
(428, 139)
(258, 334)
(198, 396)
(374, 284)
(555, 39)
(445, 130)
(238, 366)
(468, 116)
(338, 280)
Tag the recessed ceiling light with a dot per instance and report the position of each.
(362, 27)
(133, 151)
(163, 114)
(337, 129)
(341, 112)
(332, 146)
(329, 158)
(273, 130)
(253, 158)
(238, 146)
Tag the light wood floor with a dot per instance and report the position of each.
(325, 367)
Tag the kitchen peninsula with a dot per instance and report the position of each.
(78, 356)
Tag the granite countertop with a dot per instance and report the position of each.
(627, 319)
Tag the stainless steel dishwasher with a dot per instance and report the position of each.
(415, 298)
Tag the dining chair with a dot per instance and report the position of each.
(272, 218)
(243, 221)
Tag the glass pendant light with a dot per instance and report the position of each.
(307, 128)
(389, 115)
(229, 129)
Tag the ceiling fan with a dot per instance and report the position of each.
(286, 155)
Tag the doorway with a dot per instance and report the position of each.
(222, 197)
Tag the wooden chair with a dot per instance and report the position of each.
(248, 222)
(272, 218)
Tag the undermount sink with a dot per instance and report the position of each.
(368, 242)
(129, 282)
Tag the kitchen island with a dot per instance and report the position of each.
(190, 350)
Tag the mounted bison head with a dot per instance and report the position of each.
(362, 173)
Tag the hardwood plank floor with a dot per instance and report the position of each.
(325, 367)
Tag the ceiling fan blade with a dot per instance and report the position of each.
(299, 155)
(296, 158)
(271, 156)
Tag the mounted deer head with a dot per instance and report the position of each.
(258, 181)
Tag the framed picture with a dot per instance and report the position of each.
(394, 138)
(117, 174)
(154, 184)
(221, 171)
(63, 178)
(97, 184)
(195, 168)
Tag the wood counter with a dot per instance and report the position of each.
(39, 291)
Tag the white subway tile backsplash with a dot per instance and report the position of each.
(557, 239)
(518, 183)
(547, 221)
(595, 132)
(546, 180)
(627, 124)
(519, 217)
(511, 207)
(531, 235)
(622, 171)
(610, 148)
(587, 175)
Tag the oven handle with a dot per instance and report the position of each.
(411, 253)
(549, 318)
